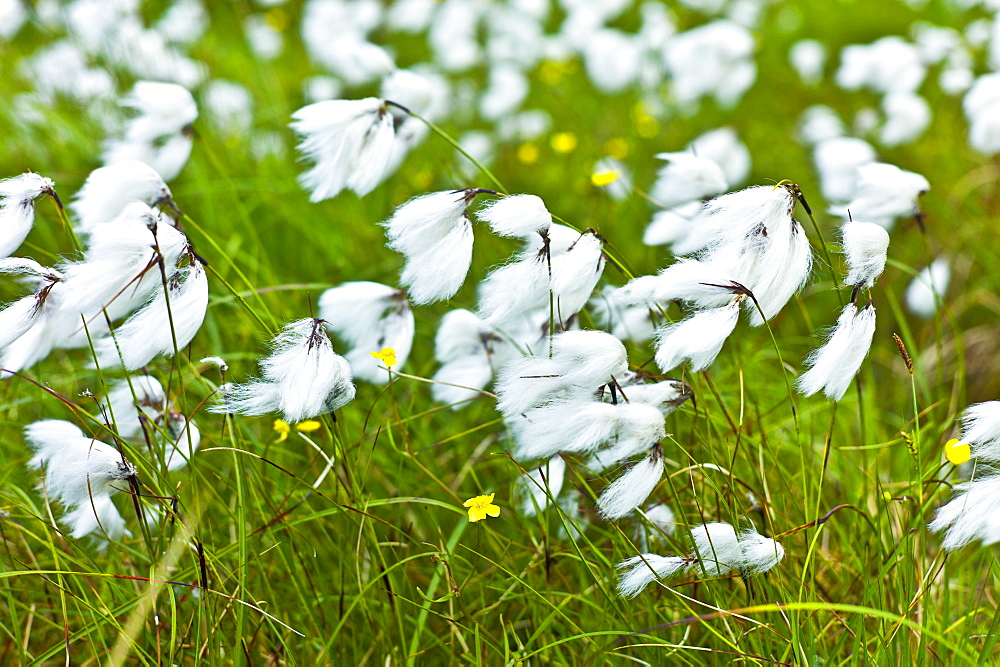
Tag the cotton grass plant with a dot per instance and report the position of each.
(593, 400)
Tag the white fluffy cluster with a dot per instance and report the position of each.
(883, 193)
(160, 134)
(350, 143)
(108, 190)
(17, 208)
(982, 109)
(82, 474)
(711, 164)
(433, 232)
(120, 272)
(302, 377)
(926, 291)
(554, 405)
(369, 316)
(470, 352)
(561, 263)
(974, 513)
(866, 247)
(834, 365)
(142, 410)
(718, 550)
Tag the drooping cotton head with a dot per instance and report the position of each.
(17, 208)
(907, 116)
(982, 109)
(834, 365)
(883, 193)
(434, 234)
(718, 549)
(517, 216)
(865, 248)
(837, 160)
(697, 339)
(760, 553)
(981, 428)
(470, 352)
(971, 515)
(125, 401)
(926, 291)
(687, 177)
(666, 395)
(632, 488)
(624, 321)
(639, 571)
(109, 189)
(350, 142)
(671, 225)
(700, 284)
(369, 316)
(889, 64)
(724, 147)
(159, 134)
(82, 474)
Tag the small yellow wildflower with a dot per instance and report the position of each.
(282, 428)
(603, 178)
(387, 356)
(552, 72)
(480, 507)
(308, 426)
(527, 153)
(957, 452)
(564, 142)
(886, 496)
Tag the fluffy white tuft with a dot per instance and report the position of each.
(718, 549)
(540, 484)
(639, 571)
(698, 338)
(517, 215)
(971, 515)
(834, 365)
(866, 248)
(631, 489)
(108, 190)
(981, 428)
(17, 208)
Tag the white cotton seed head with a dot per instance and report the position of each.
(907, 116)
(303, 377)
(981, 428)
(697, 339)
(760, 553)
(17, 318)
(662, 518)
(17, 208)
(837, 160)
(509, 291)
(883, 193)
(108, 190)
(575, 274)
(162, 325)
(632, 488)
(539, 484)
(834, 365)
(637, 428)
(438, 273)
(517, 215)
(149, 395)
(591, 358)
(666, 396)
(671, 225)
(420, 224)
(723, 146)
(717, 548)
(639, 571)
(735, 217)
(350, 142)
(457, 380)
(927, 290)
(369, 316)
(971, 515)
(81, 473)
(625, 322)
(866, 248)
(685, 178)
(701, 284)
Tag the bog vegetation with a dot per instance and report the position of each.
(499, 332)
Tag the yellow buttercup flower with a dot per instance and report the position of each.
(387, 356)
(308, 426)
(957, 452)
(563, 142)
(603, 178)
(527, 153)
(480, 507)
(282, 428)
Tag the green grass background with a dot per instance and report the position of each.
(378, 563)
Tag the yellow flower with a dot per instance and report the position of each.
(617, 148)
(387, 356)
(564, 142)
(603, 178)
(308, 426)
(282, 428)
(480, 507)
(527, 153)
(886, 496)
(957, 452)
